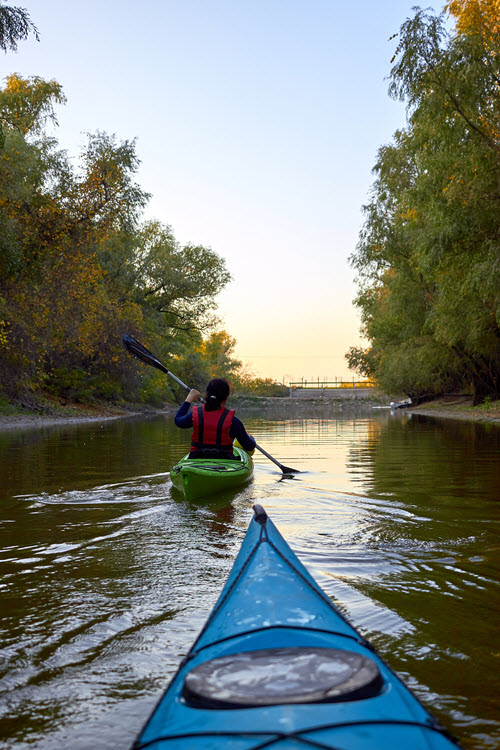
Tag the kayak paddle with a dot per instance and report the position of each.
(140, 352)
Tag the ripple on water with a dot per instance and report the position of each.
(107, 578)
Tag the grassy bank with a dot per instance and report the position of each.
(460, 408)
(46, 411)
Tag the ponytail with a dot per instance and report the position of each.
(217, 392)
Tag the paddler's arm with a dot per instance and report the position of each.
(184, 417)
(237, 430)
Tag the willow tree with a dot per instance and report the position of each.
(55, 310)
(15, 26)
(428, 257)
(78, 267)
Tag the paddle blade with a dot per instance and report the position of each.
(140, 351)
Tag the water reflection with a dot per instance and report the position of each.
(106, 576)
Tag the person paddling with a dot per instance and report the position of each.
(214, 426)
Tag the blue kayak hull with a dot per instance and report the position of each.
(271, 602)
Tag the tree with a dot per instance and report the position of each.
(177, 284)
(25, 162)
(15, 26)
(78, 269)
(477, 17)
(57, 311)
(428, 253)
(27, 104)
(106, 195)
(217, 351)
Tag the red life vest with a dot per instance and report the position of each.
(211, 429)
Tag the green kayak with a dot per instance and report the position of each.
(198, 477)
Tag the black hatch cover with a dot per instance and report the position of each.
(282, 675)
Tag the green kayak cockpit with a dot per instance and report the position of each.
(201, 477)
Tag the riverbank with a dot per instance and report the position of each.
(304, 404)
(454, 408)
(76, 414)
(459, 408)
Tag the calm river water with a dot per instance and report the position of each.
(107, 577)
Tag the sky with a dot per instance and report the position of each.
(257, 127)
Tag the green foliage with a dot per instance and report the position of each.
(217, 351)
(428, 254)
(78, 269)
(27, 104)
(106, 194)
(245, 384)
(178, 284)
(73, 383)
(362, 361)
(6, 407)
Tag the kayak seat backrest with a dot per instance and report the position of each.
(277, 676)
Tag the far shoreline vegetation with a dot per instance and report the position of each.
(428, 257)
(79, 267)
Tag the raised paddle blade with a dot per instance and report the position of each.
(140, 351)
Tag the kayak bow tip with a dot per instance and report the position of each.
(260, 514)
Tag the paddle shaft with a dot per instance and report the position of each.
(140, 352)
(178, 380)
(284, 469)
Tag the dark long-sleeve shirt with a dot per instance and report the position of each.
(184, 420)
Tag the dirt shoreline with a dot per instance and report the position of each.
(28, 421)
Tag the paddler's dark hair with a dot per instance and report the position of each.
(217, 391)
